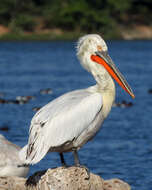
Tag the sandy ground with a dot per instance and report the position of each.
(3, 30)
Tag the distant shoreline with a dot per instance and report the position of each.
(136, 32)
(37, 37)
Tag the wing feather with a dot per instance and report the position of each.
(61, 121)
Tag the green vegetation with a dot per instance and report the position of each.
(40, 37)
(71, 17)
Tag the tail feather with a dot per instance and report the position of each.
(22, 155)
(34, 157)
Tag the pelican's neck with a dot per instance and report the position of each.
(104, 81)
(105, 85)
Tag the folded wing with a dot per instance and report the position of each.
(60, 121)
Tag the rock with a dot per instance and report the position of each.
(4, 128)
(2, 101)
(46, 91)
(150, 91)
(36, 108)
(122, 104)
(12, 183)
(24, 99)
(71, 178)
(115, 184)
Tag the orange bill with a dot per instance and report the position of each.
(104, 59)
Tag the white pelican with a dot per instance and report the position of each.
(10, 163)
(71, 120)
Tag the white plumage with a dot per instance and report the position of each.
(69, 121)
(10, 163)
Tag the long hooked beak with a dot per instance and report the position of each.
(104, 59)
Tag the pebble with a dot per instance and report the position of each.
(46, 91)
(150, 91)
(24, 99)
(123, 104)
(4, 128)
(36, 108)
(18, 100)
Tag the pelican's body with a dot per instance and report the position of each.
(10, 163)
(68, 122)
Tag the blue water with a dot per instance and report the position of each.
(123, 147)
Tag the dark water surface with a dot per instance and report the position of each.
(123, 147)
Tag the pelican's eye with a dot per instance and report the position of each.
(99, 48)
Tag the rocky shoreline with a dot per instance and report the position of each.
(71, 178)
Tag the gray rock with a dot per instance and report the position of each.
(12, 183)
(71, 178)
(115, 184)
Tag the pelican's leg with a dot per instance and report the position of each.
(76, 158)
(77, 162)
(62, 160)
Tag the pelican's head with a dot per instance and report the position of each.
(92, 52)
